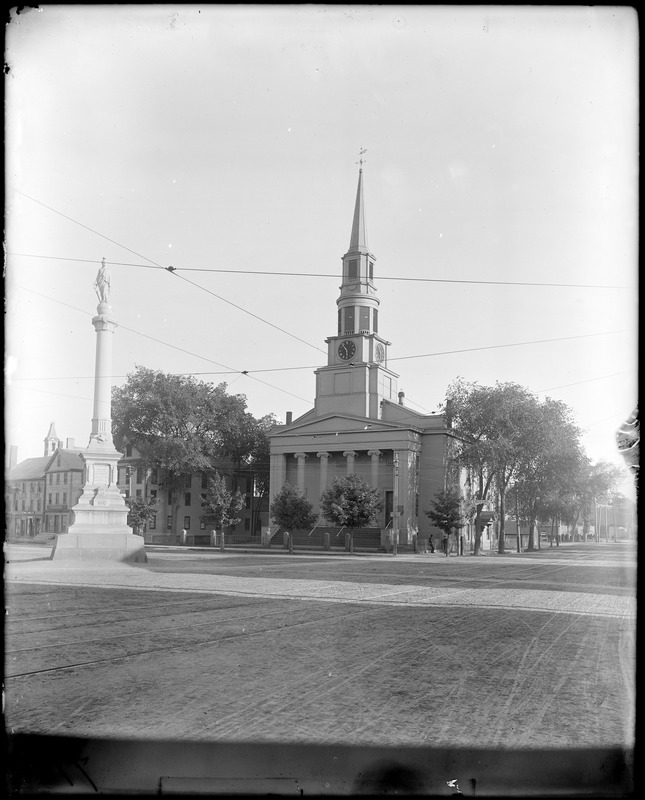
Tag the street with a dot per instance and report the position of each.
(511, 653)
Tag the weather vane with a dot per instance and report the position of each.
(360, 159)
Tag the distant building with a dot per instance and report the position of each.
(40, 492)
(134, 480)
(360, 423)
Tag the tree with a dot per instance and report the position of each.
(495, 427)
(141, 510)
(351, 503)
(220, 506)
(291, 510)
(446, 512)
(179, 425)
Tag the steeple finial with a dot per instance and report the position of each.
(358, 239)
(360, 157)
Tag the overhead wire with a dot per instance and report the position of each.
(216, 270)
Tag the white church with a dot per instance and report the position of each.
(359, 423)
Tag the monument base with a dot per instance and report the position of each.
(95, 546)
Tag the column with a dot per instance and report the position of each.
(350, 455)
(301, 469)
(375, 457)
(324, 462)
(278, 472)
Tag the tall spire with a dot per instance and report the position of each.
(358, 239)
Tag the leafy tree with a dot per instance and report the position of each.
(220, 505)
(141, 510)
(496, 429)
(291, 510)
(446, 512)
(179, 425)
(351, 503)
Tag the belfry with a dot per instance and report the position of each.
(359, 423)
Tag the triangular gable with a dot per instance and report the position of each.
(69, 459)
(332, 423)
(29, 469)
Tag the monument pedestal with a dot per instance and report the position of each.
(100, 531)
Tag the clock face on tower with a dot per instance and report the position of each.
(347, 349)
(380, 353)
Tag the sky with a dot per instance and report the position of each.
(500, 185)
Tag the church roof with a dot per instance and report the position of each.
(358, 239)
(29, 469)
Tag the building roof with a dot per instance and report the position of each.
(69, 459)
(29, 469)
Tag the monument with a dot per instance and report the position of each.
(100, 530)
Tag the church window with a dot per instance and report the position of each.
(352, 268)
(371, 270)
(349, 320)
(340, 322)
(376, 320)
(364, 319)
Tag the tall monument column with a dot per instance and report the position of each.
(100, 530)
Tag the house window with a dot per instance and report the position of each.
(187, 523)
(64, 477)
(247, 524)
(202, 526)
(138, 492)
(204, 480)
(169, 523)
(139, 474)
(56, 523)
(153, 477)
(51, 479)
(187, 499)
(58, 477)
(64, 498)
(63, 522)
(128, 451)
(49, 499)
(152, 523)
(38, 504)
(57, 498)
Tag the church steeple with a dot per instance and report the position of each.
(358, 239)
(356, 378)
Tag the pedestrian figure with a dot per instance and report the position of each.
(444, 542)
(431, 544)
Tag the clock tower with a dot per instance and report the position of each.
(356, 378)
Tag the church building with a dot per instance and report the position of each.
(360, 423)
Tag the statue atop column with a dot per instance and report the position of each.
(102, 283)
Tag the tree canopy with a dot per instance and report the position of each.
(506, 436)
(291, 511)
(446, 512)
(351, 503)
(220, 506)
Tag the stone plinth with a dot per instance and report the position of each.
(100, 530)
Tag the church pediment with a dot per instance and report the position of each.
(335, 423)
